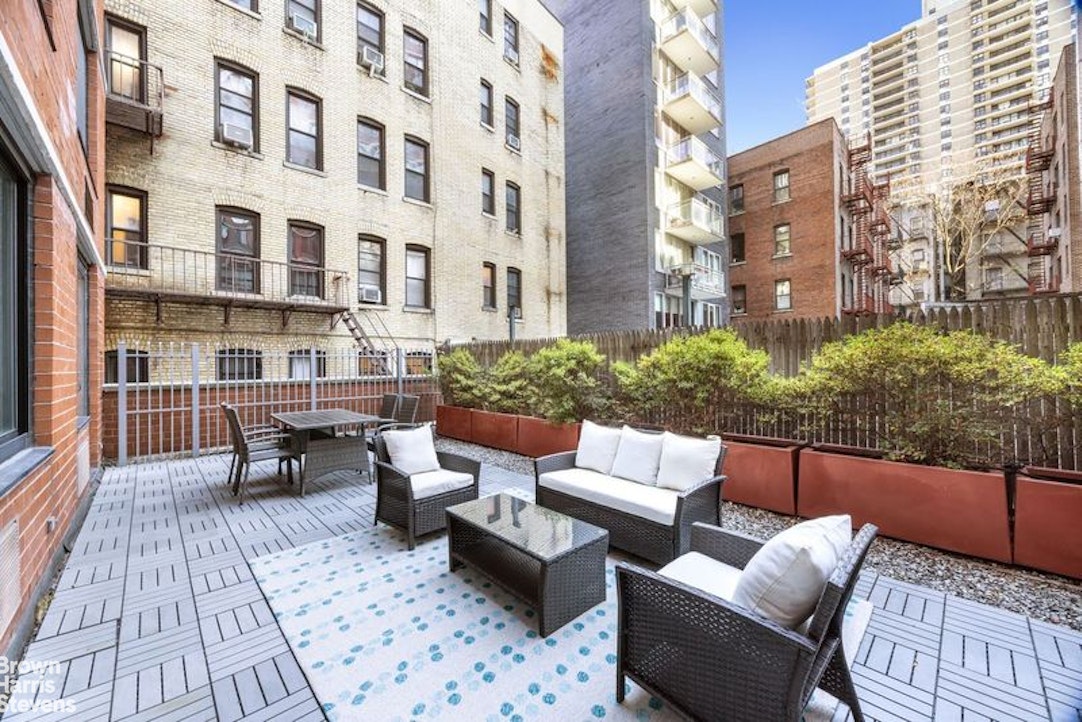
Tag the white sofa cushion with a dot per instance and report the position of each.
(431, 483)
(648, 502)
(685, 460)
(700, 571)
(785, 578)
(638, 456)
(597, 447)
(411, 450)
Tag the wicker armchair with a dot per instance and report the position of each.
(395, 501)
(711, 659)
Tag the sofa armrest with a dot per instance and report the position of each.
(553, 462)
(724, 545)
(457, 462)
(695, 489)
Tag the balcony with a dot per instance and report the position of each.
(706, 284)
(135, 94)
(702, 8)
(693, 163)
(696, 221)
(693, 105)
(181, 275)
(689, 44)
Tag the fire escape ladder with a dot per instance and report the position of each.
(1040, 244)
(868, 256)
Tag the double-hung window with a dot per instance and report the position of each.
(488, 285)
(486, 103)
(305, 147)
(370, 152)
(305, 259)
(415, 62)
(783, 295)
(781, 186)
(511, 117)
(783, 240)
(125, 227)
(484, 7)
(370, 269)
(514, 208)
(417, 178)
(488, 192)
(126, 45)
(303, 16)
(514, 292)
(237, 106)
(417, 275)
(510, 38)
(238, 250)
(239, 364)
(369, 31)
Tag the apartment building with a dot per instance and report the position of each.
(645, 163)
(300, 174)
(52, 176)
(944, 98)
(789, 225)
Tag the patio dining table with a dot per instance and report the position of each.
(316, 436)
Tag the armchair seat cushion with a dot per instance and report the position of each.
(701, 572)
(440, 481)
(631, 497)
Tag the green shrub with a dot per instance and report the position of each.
(506, 386)
(460, 379)
(1070, 365)
(563, 381)
(923, 396)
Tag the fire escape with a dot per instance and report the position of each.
(868, 254)
(1041, 245)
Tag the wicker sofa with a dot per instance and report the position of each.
(647, 511)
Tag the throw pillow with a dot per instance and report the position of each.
(597, 447)
(685, 461)
(638, 456)
(785, 578)
(411, 450)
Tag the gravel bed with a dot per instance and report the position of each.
(1046, 597)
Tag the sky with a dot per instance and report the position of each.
(773, 46)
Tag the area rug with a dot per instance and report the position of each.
(386, 634)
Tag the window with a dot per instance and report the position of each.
(125, 227)
(369, 30)
(417, 266)
(305, 259)
(488, 192)
(486, 103)
(417, 185)
(126, 45)
(736, 199)
(236, 110)
(993, 279)
(510, 38)
(485, 9)
(136, 365)
(782, 246)
(736, 243)
(781, 186)
(370, 151)
(239, 364)
(14, 312)
(238, 250)
(488, 286)
(371, 269)
(917, 259)
(82, 89)
(783, 295)
(415, 62)
(511, 115)
(300, 364)
(82, 339)
(303, 16)
(514, 210)
(739, 296)
(304, 146)
(252, 5)
(514, 292)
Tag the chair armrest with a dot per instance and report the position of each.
(697, 488)
(724, 545)
(394, 479)
(457, 462)
(262, 430)
(553, 462)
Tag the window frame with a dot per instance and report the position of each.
(223, 64)
(778, 296)
(733, 246)
(514, 291)
(786, 242)
(251, 356)
(427, 176)
(425, 90)
(16, 291)
(110, 227)
(782, 193)
(488, 113)
(513, 211)
(485, 12)
(381, 243)
(362, 44)
(382, 160)
(305, 267)
(251, 5)
(742, 296)
(112, 21)
(736, 192)
(425, 253)
(511, 45)
(317, 16)
(306, 354)
(82, 338)
(219, 253)
(488, 200)
(510, 103)
(136, 361)
(488, 286)
(304, 95)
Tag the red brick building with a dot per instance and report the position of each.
(51, 184)
(787, 225)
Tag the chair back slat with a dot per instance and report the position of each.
(236, 433)
(406, 413)
(389, 406)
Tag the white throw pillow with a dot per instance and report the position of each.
(411, 450)
(597, 447)
(785, 578)
(685, 460)
(638, 456)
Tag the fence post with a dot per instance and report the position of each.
(313, 374)
(195, 399)
(400, 369)
(122, 404)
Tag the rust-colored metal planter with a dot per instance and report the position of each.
(958, 510)
(537, 437)
(455, 422)
(762, 473)
(500, 431)
(1047, 516)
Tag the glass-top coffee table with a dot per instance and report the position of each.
(551, 561)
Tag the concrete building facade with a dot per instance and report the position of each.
(51, 279)
(645, 163)
(788, 225)
(279, 173)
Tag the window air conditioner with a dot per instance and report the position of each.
(372, 59)
(513, 142)
(1055, 232)
(371, 294)
(303, 25)
(237, 135)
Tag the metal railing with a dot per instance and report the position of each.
(696, 150)
(697, 212)
(691, 84)
(136, 266)
(686, 19)
(703, 279)
(135, 90)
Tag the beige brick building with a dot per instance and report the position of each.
(270, 168)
